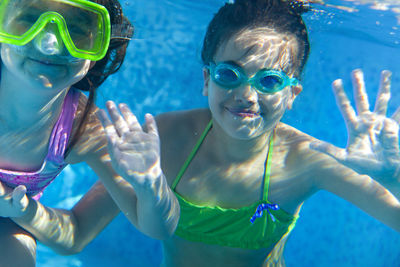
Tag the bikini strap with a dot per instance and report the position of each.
(267, 168)
(191, 155)
(63, 127)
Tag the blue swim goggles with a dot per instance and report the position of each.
(266, 81)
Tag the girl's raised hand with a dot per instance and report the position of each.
(373, 139)
(134, 151)
(13, 202)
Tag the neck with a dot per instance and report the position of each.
(24, 104)
(237, 150)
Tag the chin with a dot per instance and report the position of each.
(245, 133)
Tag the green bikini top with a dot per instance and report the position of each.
(260, 225)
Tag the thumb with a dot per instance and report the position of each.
(19, 198)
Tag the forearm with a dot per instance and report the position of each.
(69, 231)
(389, 179)
(155, 212)
(54, 228)
(391, 182)
(158, 210)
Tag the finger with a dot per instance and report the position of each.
(5, 190)
(109, 129)
(102, 115)
(383, 94)
(19, 198)
(151, 124)
(390, 138)
(343, 103)
(130, 118)
(396, 116)
(2, 189)
(337, 153)
(360, 94)
(119, 122)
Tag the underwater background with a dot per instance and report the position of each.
(162, 72)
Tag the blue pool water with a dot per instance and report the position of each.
(162, 72)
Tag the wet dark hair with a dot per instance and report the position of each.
(279, 15)
(121, 32)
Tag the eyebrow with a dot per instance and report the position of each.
(81, 17)
(236, 63)
(233, 62)
(249, 50)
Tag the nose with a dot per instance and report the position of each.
(49, 41)
(246, 94)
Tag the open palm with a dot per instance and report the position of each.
(373, 138)
(134, 151)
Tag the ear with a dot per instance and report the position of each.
(206, 78)
(296, 90)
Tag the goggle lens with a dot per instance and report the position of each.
(227, 76)
(271, 82)
(265, 81)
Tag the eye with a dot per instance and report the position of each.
(20, 24)
(76, 30)
(226, 75)
(77, 33)
(271, 82)
(29, 18)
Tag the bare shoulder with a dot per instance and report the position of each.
(296, 147)
(324, 171)
(290, 136)
(182, 125)
(91, 139)
(179, 132)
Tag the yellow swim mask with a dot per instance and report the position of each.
(83, 26)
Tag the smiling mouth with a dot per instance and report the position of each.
(50, 63)
(244, 113)
(46, 62)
